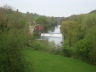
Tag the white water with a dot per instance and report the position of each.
(54, 36)
(51, 35)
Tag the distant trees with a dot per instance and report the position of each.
(79, 37)
(46, 22)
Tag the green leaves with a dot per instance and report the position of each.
(80, 34)
(12, 39)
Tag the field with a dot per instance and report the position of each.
(45, 62)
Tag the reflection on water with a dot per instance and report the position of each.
(54, 36)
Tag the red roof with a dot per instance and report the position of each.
(39, 28)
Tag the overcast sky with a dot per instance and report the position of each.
(52, 7)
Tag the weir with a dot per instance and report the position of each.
(51, 34)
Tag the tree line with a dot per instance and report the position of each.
(79, 33)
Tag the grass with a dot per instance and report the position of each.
(45, 62)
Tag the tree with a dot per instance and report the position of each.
(12, 39)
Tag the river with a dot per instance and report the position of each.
(53, 36)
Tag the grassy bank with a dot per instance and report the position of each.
(44, 62)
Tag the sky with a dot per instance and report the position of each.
(57, 8)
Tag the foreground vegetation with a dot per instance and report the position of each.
(45, 62)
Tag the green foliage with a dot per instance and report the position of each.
(10, 45)
(86, 47)
(43, 45)
(79, 33)
(46, 22)
(70, 31)
(12, 39)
